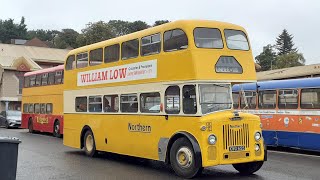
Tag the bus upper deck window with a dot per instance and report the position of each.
(236, 40)
(70, 63)
(208, 38)
(130, 49)
(150, 45)
(112, 53)
(44, 79)
(96, 57)
(175, 40)
(82, 60)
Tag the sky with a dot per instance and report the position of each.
(264, 20)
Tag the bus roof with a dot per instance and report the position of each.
(56, 68)
(279, 84)
(157, 29)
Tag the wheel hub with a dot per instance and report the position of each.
(89, 143)
(184, 157)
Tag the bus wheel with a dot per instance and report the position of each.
(248, 168)
(6, 125)
(30, 126)
(56, 129)
(182, 159)
(89, 144)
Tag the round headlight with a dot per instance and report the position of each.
(257, 147)
(212, 139)
(257, 136)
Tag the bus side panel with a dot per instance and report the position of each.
(310, 141)
(270, 138)
(24, 120)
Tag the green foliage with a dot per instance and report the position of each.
(66, 38)
(137, 26)
(119, 27)
(95, 32)
(291, 59)
(159, 22)
(10, 30)
(266, 58)
(43, 35)
(284, 43)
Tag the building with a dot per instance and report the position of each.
(306, 71)
(15, 60)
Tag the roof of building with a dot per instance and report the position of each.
(286, 73)
(279, 84)
(30, 55)
(36, 42)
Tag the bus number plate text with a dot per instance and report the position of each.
(237, 148)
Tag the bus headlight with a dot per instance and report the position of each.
(212, 139)
(257, 147)
(257, 136)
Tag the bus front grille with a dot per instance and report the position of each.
(235, 135)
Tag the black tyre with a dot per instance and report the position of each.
(6, 124)
(56, 129)
(248, 168)
(30, 126)
(182, 159)
(89, 144)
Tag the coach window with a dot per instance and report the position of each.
(111, 53)
(96, 57)
(172, 100)
(37, 108)
(82, 60)
(32, 80)
(130, 49)
(70, 64)
(95, 104)
(129, 103)
(150, 45)
(38, 79)
(250, 96)
(81, 104)
(175, 40)
(30, 108)
(44, 79)
(310, 99)
(288, 99)
(208, 38)
(267, 99)
(26, 81)
(235, 97)
(51, 78)
(189, 99)
(25, 108)
(49, 108)
(111, 103)
(150, 102)
(58, 77)
(42, 108)
(236, 40)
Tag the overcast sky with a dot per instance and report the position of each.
(263, 19)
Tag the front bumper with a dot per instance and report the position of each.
(14, 123)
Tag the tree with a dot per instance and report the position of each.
(137, 26)
(291, 59)
(43, 35)
(10, 30)
(266, 58)
(66, 38)
(284, 43)
(159, 22)
(95, 32)
(119, 27)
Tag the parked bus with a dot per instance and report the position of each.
(42, 101)
(164, 93)
(289, 110)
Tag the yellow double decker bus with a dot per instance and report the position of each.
(164, 94)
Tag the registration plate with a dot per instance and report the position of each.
(237, 148)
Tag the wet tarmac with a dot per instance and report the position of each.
(42, 157)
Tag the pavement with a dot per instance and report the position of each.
(42, 157)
